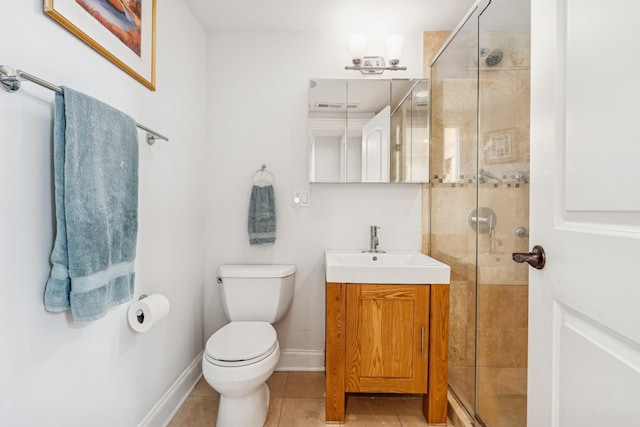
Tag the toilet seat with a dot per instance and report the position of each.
(241, 343)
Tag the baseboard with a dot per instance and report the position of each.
(163, 411)
(301, 360)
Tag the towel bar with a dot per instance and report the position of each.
(262, 171)
(10, 82)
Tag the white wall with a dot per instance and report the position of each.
(54, 372)
(257, 113)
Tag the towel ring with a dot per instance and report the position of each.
(258, 176)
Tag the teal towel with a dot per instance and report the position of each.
(96, 203)
(262, 215)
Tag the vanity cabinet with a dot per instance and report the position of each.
(387, 338)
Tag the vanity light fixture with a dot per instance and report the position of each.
(375, 64)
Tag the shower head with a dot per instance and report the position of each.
(493, 58)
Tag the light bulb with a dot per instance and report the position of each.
(394, 48)
(357, 46)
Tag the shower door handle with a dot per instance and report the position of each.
(536, 258)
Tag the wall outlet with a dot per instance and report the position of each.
(301, 198)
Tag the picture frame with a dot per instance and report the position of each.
(123, 31)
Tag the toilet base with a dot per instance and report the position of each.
(249, 410)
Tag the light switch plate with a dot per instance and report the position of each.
(301, 198)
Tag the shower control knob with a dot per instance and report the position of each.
(536, 258)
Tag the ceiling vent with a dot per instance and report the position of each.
(328, 105)
(334, 105)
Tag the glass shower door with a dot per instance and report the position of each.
(453, 192)
(503, 196)
(479, 206)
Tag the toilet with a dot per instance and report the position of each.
(242, 355)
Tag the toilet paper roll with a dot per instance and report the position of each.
(146, 312)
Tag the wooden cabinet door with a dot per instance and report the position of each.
(387, 335)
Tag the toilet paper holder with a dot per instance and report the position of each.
(139, 312)
(146, 311)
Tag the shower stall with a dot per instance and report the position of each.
(479, 206)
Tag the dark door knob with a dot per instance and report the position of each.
(536, 258)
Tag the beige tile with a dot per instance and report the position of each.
(519, 347)
(463, 382)
(425, 241)
(275, 408)
(502, 396)
(470, 343)
(459, 307)
(502, 347)
(302, 412)
(493, 347)
(196, 412)
(412, 421)
(521, 273)
(432, 41)
(407, 422)
(521, 306)
(305, 385)
(368, 411)
(203, 389)
(277, 383)
(502, 381)
(495, 306)
(409, 411)
(512, 411)
(377, 421)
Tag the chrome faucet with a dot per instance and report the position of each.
(485, 175)
(521, 176)
(374, 239)
(494, 241)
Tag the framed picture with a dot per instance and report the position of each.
(499, 146)
(123, 31)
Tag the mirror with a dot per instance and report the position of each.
(368, 130)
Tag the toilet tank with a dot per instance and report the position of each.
(261, 292)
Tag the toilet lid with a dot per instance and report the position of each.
(242, 342)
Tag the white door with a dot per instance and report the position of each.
(375, 147)
(584, 329)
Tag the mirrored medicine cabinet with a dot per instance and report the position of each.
(368, 130)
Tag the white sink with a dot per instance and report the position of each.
(395, 267)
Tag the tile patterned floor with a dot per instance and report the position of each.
(297, 400)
